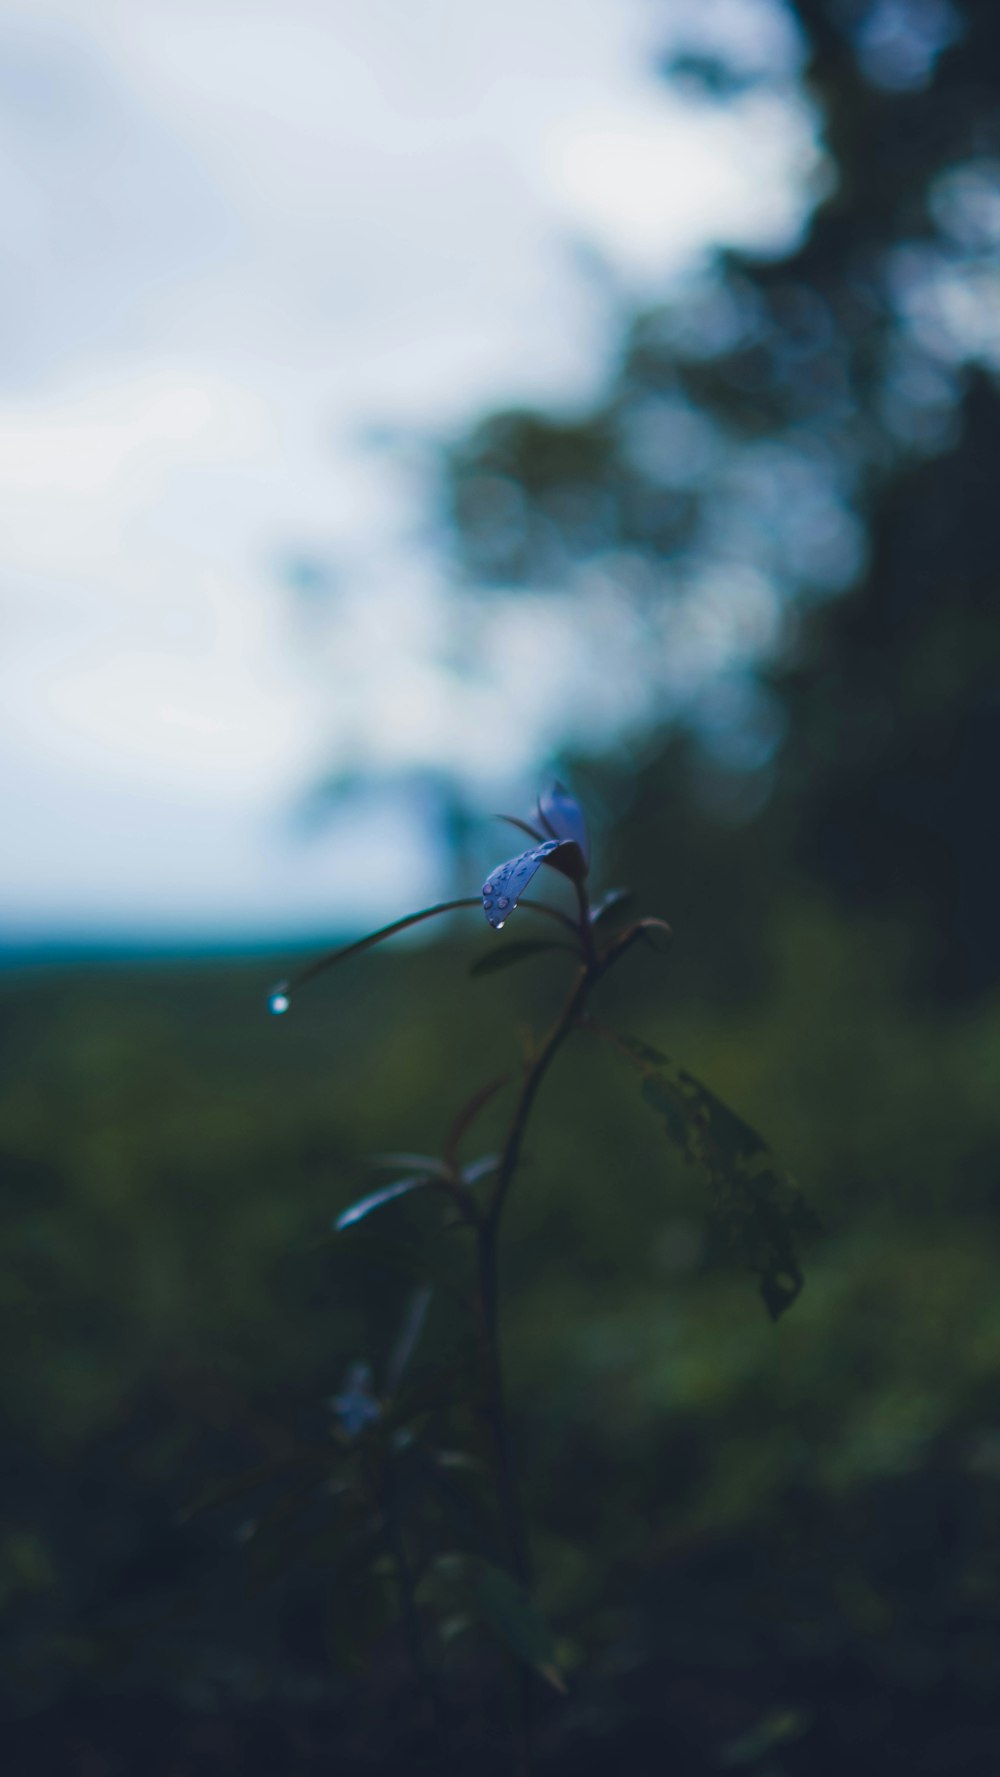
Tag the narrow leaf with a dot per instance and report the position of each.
(478, 1169)
(505, 1607)
(517, 952)
(376, 1199)
(609, 903)
(655, 932)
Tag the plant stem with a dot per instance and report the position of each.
(422, 1672)
(488, 1240)
(533, 1077)
(508, 1488)
(488, 1243)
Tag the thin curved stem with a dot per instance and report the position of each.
(594, 966)
(332, 958)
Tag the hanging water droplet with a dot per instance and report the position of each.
(500, 924)
(278, 1002)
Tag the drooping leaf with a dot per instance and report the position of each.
(480, 1168)
(561, 815)
(495, 960)
(497, 1600)
(759, 1209)
(660, 1096)
(375, 1200)
(506, 884)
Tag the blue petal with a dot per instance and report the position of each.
(506, 884)
(562, 816)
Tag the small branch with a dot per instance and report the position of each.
(594, 965)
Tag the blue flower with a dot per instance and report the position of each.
(356, 1407)
(562, 842)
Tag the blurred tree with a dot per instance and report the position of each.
(788, 487)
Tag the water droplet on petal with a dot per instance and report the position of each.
(278, 1002)
(503, 901)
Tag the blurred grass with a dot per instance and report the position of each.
(171, 1159)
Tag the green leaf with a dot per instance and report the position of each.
(480, 1168)
(375, 1200)
(506, 1608)
(655, 932)
(518, 952)
(609, 904)
(642, 1051)
(662, 1097)
(758, 1207)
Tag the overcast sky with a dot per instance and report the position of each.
(239, 237)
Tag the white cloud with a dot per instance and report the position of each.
(235, 233)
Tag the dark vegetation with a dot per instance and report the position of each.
(763, 1547)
